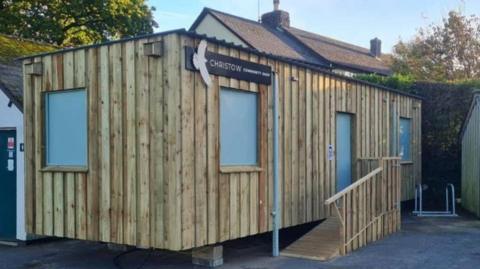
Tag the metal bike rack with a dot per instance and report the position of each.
(449, 210)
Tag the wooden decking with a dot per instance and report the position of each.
(321, 243)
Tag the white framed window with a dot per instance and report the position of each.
(238, 128)
(405, 139)
(394, 145)
(66, 128)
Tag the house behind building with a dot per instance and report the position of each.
(275, 35)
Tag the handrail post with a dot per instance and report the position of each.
(383, 187)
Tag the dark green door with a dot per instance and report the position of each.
(8, 189)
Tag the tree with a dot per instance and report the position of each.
(75, 22)
(444, 52)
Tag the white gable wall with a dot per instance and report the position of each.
(213, 28)
(12, 117)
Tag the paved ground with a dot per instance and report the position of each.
(423, 243)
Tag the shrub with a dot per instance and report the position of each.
(444, 108)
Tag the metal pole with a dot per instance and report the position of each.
(449, 194)
(453, 198)
(416, 198)
(446, 199)
(276, 209)
(421, 199)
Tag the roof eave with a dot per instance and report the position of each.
(175, 31)
(211, 12)
(475, 97)
(334, 63)
(235, 46)
(199, 19)
(357, 68)
(11, 97)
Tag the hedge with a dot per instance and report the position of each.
(444, 109)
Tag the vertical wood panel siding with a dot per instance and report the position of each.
(153, 176)
(470, 160)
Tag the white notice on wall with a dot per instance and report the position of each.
(330, 153)
(10, 165)
(10, 143)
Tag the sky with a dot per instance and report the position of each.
(352, 21)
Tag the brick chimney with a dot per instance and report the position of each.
(277, 17)
(276, 4)
(376, 47)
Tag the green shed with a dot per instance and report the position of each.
(470, 139)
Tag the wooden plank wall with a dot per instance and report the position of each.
(411, 171)
(470, 161)
(369, 209)
(153, 176)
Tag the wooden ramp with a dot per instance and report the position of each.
(321, 243)
(364, 212)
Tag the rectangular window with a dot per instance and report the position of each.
(66, 128)
(405, 131)
(238, 128)
(394, 131)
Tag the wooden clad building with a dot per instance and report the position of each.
(12, 192)
(125, 143)
(470, 137)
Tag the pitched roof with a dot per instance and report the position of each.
(260, 37)
(10, 70)
(473, 103)
(11, 83)
(341, 53)
(298, 44)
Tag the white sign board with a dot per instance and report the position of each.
(10, 165)
(330, 153)
(11, 143)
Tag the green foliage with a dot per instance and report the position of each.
(444, 108)
(397, 81)
(75, 22)
(445, 52)
(472, 84)
(449, 54)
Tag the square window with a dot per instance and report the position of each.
(66, 128)
(238, 128)
(405, 129)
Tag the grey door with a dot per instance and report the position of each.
(344, 150)
(8, 189)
